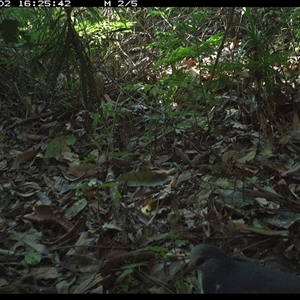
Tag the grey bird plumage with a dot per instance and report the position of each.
(222, 274)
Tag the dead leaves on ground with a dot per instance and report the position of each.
(114, 221)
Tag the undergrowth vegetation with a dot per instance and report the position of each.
(129, 134)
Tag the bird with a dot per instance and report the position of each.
(218, 273)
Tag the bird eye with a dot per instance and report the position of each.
(200, 261)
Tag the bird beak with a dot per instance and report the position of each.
(189, 269)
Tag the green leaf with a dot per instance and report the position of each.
(32, 257)
(145, 178)
(54, 147)
(76, 208)
(249, 156)
(70, 139)
(256, 223)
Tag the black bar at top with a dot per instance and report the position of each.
(101, 3)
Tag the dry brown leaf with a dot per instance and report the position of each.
(82, 170)
(73, 232)
(262, 231)
(45, 273)
(24, 157)
(44, 214)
